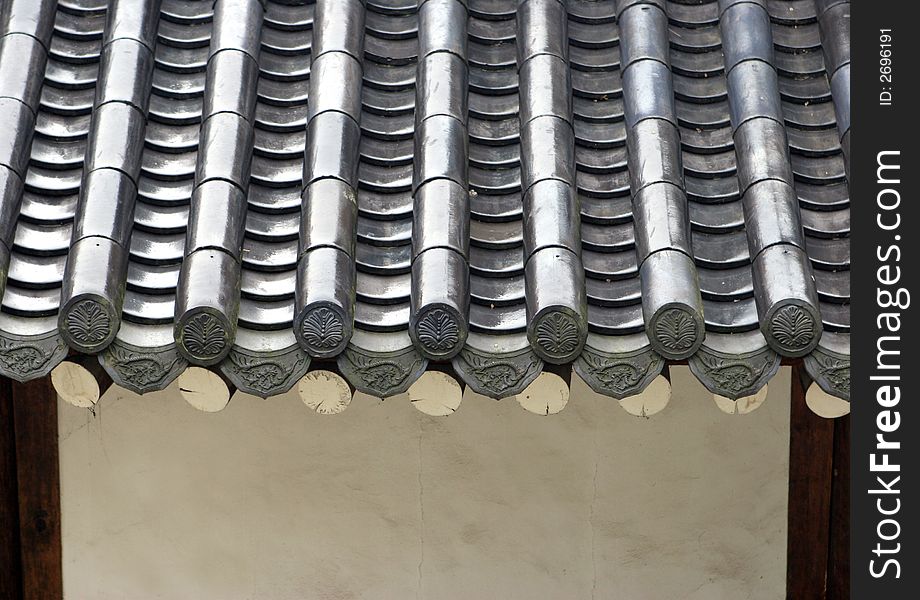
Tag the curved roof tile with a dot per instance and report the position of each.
(500, 184)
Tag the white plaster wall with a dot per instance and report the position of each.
(270, 500)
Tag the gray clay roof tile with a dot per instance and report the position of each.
(250, 185)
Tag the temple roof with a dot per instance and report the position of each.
(494, 186)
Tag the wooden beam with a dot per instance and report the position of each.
(811, 453)
(10, 562)
(206, 389)
(325, 391)
(80, 380)
(838, 560)
(546, 395)
(436, 393)
(36, 435)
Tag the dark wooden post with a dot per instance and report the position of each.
(10, 563)
(80, 380)
(811, 451)
(818, 543)
(29, 412)
(838, 560)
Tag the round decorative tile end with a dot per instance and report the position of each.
(676, 332)
(323, 330)
(88, 324)
(439, 332)
(792, 329)
(203, 336)
(557, 335)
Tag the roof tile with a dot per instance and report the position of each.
(497, 183)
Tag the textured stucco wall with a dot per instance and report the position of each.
(269, 500)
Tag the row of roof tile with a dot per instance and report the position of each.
(254, 185)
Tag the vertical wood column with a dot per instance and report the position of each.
(838, 559)
(29, 411)
(811, 458)
(10, 564)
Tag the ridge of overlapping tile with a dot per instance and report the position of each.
(265, 358)
(144, 355)
(734, 359)
(618, 359)
(49, 60)
(387, 183)
(377, 120)
(497, 360)
(812, 49)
